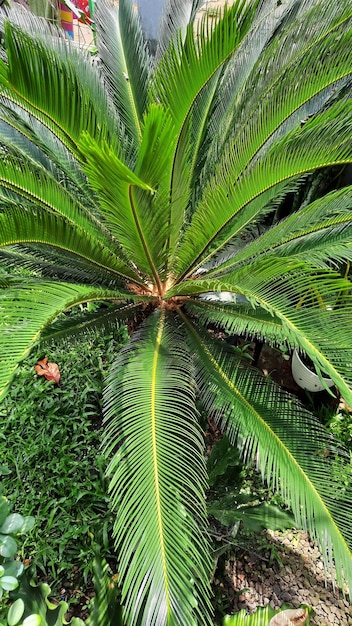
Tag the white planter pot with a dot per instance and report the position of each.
(305, 378)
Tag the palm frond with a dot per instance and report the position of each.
(125, 62)
(283, 86)
(289, 446)
(119, 203)
(189, 64)
(226, 207)
(57, 264)
(26, 309)
(19, 227)
(320, 232)
(303, 299)
(176, 18)
(106, 317)
(32, 183)
(238, 318)
(40, 146)
(157, 479)
(43, 76)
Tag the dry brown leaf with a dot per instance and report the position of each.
(49, 370)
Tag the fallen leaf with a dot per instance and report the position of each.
(49, 370)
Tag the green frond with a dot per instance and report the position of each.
(282, 87)
(189, 63)
(176, 17)
(125, 62)
(185, 186)
(238, 318)
(27, 309)
(25, 227)
(226, 208)
(320, 232)
(157, 479)
(159, 220)
(34, 185)
(43, 76)
(290, 447)
(105, 318)
(39, 145)
(303, 298)
(120, 202)
(57, 264)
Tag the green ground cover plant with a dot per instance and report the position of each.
(136, 185)
(52, 462)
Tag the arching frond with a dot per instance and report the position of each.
(127, 220)
(238, 318)
(26, 309)
(19, 129)
(157, 479)
(289, 446)
(290, 77)
(176, 17)
(44, 76)
(19, 227)
(31, 183)
(189, 64)
(303, 299)
(226, 207)
(104, 318)
(319, 232)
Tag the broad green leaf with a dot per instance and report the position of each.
(15, 612)
(8, 583)
(8, 546)
(13, 523)
(255, 518)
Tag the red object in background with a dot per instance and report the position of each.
(83, 5)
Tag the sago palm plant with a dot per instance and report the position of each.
(144, 183)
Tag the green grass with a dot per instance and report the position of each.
(50, 454)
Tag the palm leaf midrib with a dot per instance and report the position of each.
(44, 118)
(160, 332)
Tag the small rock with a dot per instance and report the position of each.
(286, 597)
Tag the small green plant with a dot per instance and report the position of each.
(32, 607)
(11, 569)
(11, 524)
(232, 500)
